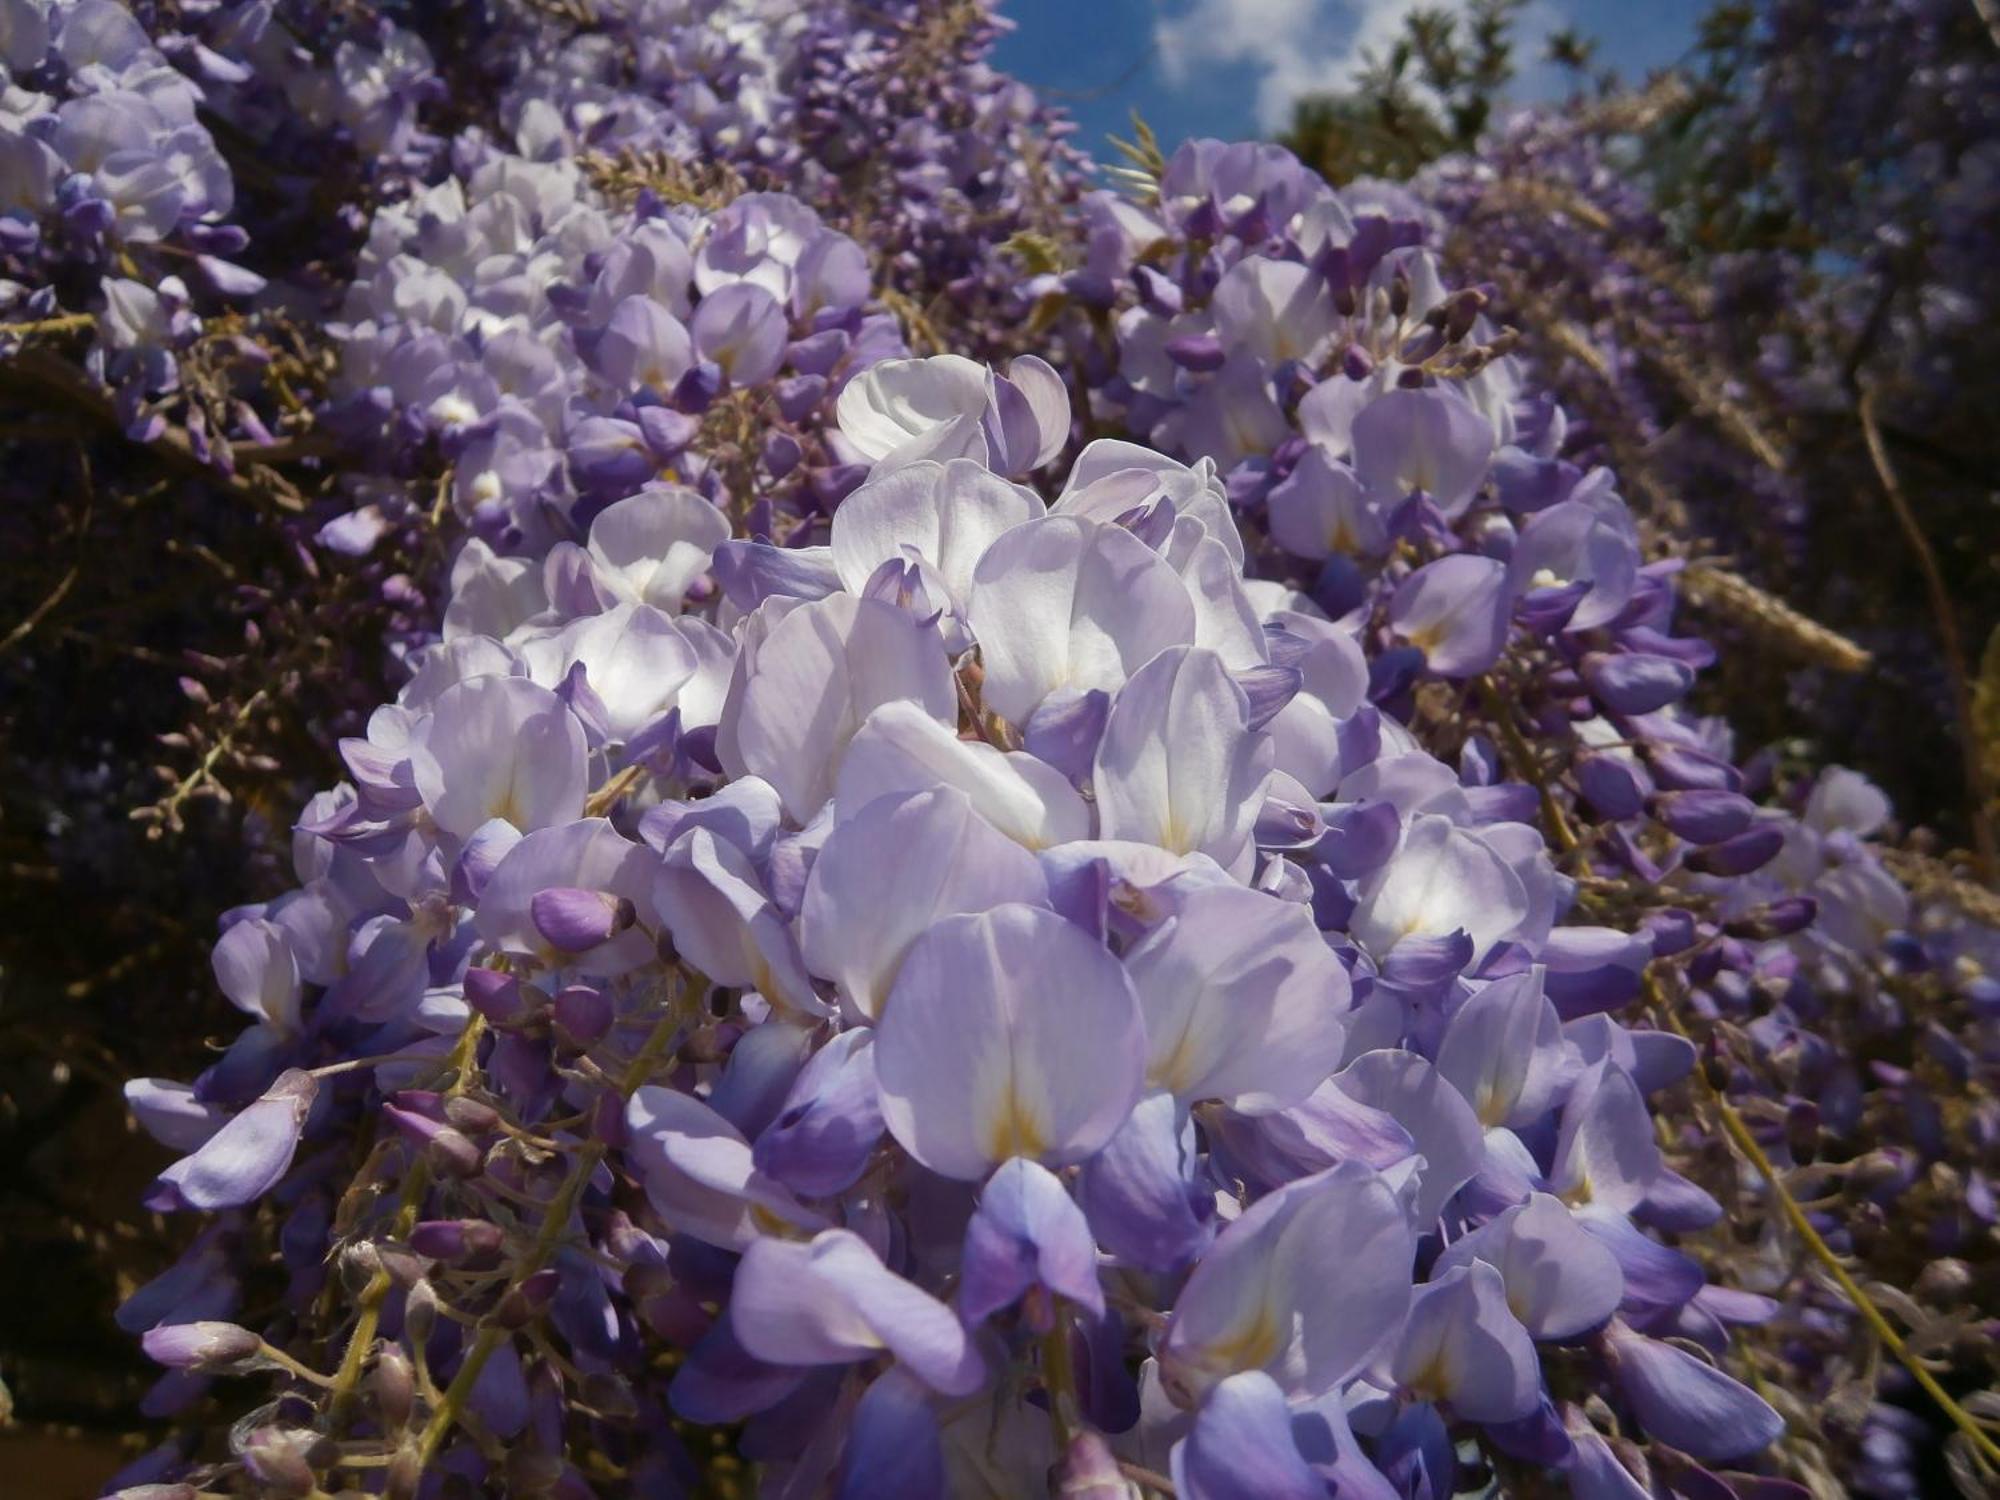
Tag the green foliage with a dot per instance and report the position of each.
(1433, 92)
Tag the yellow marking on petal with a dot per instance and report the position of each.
(1253, 1347)
(1426, 638)
(1433, 1382)
(1489, 1106)
(1012, 1130)
(1175, 1073)
(770, 1223)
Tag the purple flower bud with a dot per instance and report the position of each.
(200, 1346)
(1614, 785)
(1681, 769)
(1672, 931)
(1704, 817)
(1635, 682)
(583, 1013)
(575, 921)
(501, 998)
(1748, 851)
(456, 1239)
(1159, 293)
(449, 1150)
(1781, 918)
(472, 1115)
(1269, 689)
(281, 1460)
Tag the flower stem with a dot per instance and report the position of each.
(555, 1223)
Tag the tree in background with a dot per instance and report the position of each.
(1433, 92)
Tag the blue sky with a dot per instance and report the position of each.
(1227, 68)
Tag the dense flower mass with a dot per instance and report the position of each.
(1025, 841)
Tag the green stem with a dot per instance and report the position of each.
(347, 1380)
(555, 1223)
(1059, 1378)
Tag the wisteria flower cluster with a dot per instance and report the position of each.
(1579, 678)
(471, 337)
(989, 1014)
(1027, 841)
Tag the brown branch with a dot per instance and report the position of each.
(35, 379)
(1950, 643)
(39, 613)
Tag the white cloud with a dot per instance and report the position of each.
(1297, 46)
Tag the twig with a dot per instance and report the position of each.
(606, 797)
(62, 323)
(1523, 755)
(554, 1224)
(1949, 641)
(165, 814)
(39, 613)
(37, 379)
(347, 1380)
(1059, 1378)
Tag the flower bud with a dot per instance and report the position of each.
(405, 1268)
(575, 921)
(200, 1346)
(522, 1304)
(456, 1239)
(470, 1114)
(1780, 918)
(1944, 1280)
(420, 1311)
(278, 1459)
(1739, 856)
(1612, 784)
(394, 1384)
(1636, 682)
(501, 998)
(1196, 351)
(583, 1014)
(1704, 817)
(448, 1150)
(1671, 930)
(359, 1264)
